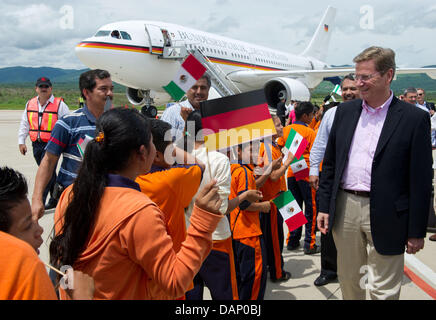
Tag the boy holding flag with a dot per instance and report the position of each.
(248, 244)
(299, 138)
(272, 222)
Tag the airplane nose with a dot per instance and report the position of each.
(82, 51)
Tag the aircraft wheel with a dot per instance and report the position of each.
(151, 112)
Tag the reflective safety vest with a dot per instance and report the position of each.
(49, 117)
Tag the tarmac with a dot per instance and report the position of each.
(419, 280)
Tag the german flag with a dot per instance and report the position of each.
(236, 119)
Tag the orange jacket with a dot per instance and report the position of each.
(307, 134)
(129, 252)
(243, 223)
(271, 189)
(49, 117)
(172, 190)
(22, 273)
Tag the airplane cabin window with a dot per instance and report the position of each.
(102, 33)
(125, 35)
(115, 34)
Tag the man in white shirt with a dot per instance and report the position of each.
(410, 96)
(177, 114)
(420, 100)
(37, 121)
(328, 248)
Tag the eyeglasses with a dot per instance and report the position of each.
(364, 77)
(420, 94)
(44, 86)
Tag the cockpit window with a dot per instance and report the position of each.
(125, 35)
(102, 33)
(115, 34)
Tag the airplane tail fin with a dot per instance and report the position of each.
(318, 46)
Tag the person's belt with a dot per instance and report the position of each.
(358, 193)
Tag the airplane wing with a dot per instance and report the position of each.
(248, 76)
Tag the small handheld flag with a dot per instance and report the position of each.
(190, 71)
(299, 168)
(337, 90)
(290, 210)
(82, 143)
(295, 144)
(235, 120)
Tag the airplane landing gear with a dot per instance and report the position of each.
(148, 109)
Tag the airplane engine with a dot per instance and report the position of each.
(290, 89)
(142, 98)
(137, 97)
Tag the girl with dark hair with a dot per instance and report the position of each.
(108, 229)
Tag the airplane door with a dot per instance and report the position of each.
(156, 39)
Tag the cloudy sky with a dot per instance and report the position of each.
(35, 33)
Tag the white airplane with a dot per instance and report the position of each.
(144, 56)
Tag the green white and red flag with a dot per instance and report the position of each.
(299, 168)
(290, 210)
(82, 143)
(295, 144)
(190, 71)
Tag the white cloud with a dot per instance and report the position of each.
(30, 32)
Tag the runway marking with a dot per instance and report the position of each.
(420, 283)
(427, 286)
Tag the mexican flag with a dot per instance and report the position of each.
(190, 71)
(81, 144)
(337, 90)
(290, 210)
(295, 144)
(299, 168)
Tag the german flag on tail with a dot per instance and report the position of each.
(236, 119)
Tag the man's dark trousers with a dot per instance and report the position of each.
(328, 252)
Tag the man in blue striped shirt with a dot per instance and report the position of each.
(95, 87)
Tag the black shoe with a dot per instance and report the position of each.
(292, 247)
(286, 275)
(52, 203)
(315, 249)
(322, 280)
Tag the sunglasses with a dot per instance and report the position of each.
(43, 86)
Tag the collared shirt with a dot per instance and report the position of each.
(23, 132)
(218, 168)
(320, 143)
(115, 180)
(357, 173)
(423, 107)
(64, 138)
(173, 117)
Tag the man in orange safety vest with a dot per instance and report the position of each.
(39, 117)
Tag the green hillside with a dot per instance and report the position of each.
(16, 75)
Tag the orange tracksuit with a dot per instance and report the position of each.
(22, 273)
(172, 189)
(249, 249)
(301, 189)
(272, 222)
